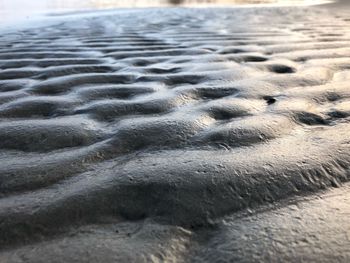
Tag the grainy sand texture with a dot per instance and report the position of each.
(177, 135)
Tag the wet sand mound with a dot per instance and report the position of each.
(155, 134)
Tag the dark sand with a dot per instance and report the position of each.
(177, 135)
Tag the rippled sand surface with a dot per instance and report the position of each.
(178, 135)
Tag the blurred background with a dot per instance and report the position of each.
(93, 4)
(14, 10)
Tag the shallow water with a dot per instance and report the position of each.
(74, 4)
(15, 12)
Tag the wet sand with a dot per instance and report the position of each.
(177, 135)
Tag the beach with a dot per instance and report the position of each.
(177, 135)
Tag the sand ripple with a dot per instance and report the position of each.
(112, 124)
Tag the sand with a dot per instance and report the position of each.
(177, 135)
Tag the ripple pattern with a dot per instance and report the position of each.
(177, 116)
